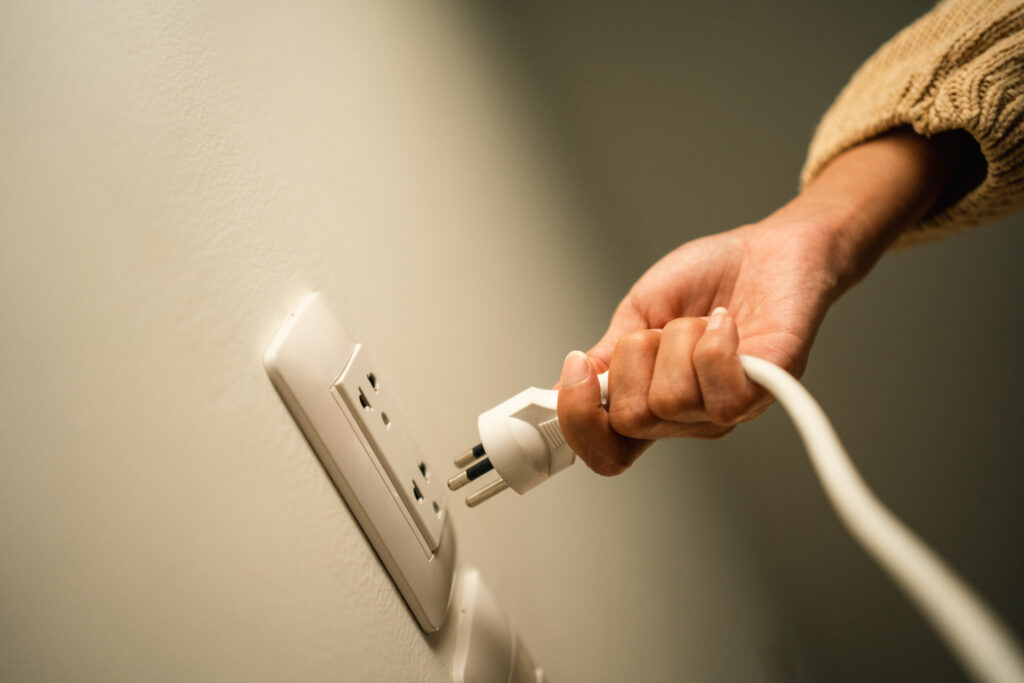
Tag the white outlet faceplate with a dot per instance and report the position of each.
(343, 403)
(367, 397)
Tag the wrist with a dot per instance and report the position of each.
(867, 196)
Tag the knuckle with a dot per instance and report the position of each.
(727, 413)
(637, 340)
(629, 419)
(683, 325)
(671, 401)
(711, 350)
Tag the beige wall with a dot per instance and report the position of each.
(173, 179)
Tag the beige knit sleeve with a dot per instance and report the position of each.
(961, 66)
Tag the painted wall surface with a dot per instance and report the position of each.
(175, 177)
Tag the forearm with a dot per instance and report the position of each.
(867, 196)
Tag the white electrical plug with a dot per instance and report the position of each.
(521, 440)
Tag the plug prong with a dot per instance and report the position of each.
(487, 492)
(458, 481)
(474, 471)
(470, 456)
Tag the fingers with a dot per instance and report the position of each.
(684, 380)
(654, 389)
(629, 381)
(728, 395)
(585, 423)
(675, 394)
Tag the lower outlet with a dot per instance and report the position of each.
(351, 417)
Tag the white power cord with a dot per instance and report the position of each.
(522, 440)
(970, 629)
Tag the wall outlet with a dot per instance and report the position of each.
(370, 401)
(348, 412)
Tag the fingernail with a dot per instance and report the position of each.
(717, 318)
(576, 368)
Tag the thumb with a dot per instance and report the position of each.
(577, 373)
(584, 421)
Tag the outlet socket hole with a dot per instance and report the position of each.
(387, 420)
(373, 381)
(363, 402)
(423, 471)
(437, 509)
(416, 492)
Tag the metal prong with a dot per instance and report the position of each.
(458, 481)
(489, 491)
(469, 456)
(474, 471)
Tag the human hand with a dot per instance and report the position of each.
(674, 371)
(672, 348)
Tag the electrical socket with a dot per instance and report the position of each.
(371, 403)
(351, 418)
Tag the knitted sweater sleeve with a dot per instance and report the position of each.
(959, 67)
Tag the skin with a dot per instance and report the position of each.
(672, 348)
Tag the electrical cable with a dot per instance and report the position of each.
(974, 634)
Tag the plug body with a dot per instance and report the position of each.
(520, 439)
(523, 440)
